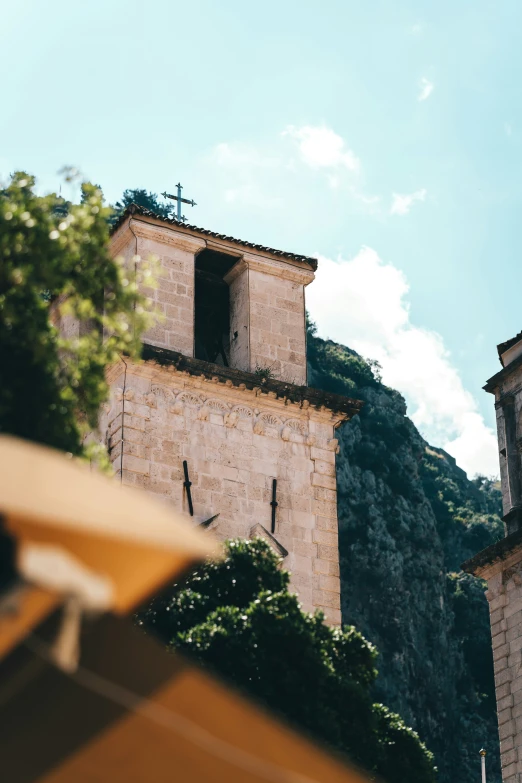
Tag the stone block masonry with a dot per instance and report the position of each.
(173, 297)
(501, 566)
(501, 563)
(268, 300)
(237, 430)
(504, 595)
(277, 336)
(235, 441)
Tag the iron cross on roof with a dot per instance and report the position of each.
(179, 201)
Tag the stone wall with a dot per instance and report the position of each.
(505, 604)
(501, 566)
(268, 297)
(277, 326)
(501, 438)
(173, 298)
(267, 314)
(240, 322)
(508, 406)
(235, 442)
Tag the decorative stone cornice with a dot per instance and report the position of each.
(166, 236)
(500, 377)
(303, 397)
(180, 394)
(270, 266)
(497, 557)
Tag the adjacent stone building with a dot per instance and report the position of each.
(501, 564)
(217, 419)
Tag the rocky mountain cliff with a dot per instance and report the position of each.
(408, 516)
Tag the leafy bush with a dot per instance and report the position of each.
(237, 617)
(55, 261)
(142, 198)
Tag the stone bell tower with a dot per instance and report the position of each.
(217, 420)
(501, 564)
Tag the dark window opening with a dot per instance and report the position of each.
(212, 307)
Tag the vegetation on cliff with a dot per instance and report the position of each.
(408, 516)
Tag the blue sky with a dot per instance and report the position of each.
(385, 137)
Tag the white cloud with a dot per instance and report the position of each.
(245, 172)
(416, 29)
(240, 156)
(426, 88)
(362, 303)
(251, 174)
(367, 199)
(321, 147)
(508, 128)
(248, 193)
(401, 204)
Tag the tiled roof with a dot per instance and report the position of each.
(134, 209)
(503, 347)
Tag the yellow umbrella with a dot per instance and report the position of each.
(115, 531)
(132, 713)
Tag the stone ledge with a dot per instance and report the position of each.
(495, 380)
(303, 395)
(495, 553)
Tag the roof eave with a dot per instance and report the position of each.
(494, 382)
(134, 209)
(494, 554)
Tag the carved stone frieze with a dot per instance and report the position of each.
(514, 573)
(264, 422)
(231, 419)
(162, 394)
(243, 412)
(217, 406)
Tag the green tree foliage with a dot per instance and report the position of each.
(472, 627)
(468, 512)
(237, 617)
(338, 369)
(55, 263)
(142, 198)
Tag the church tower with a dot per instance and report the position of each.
(218, 420)
(501, 564)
